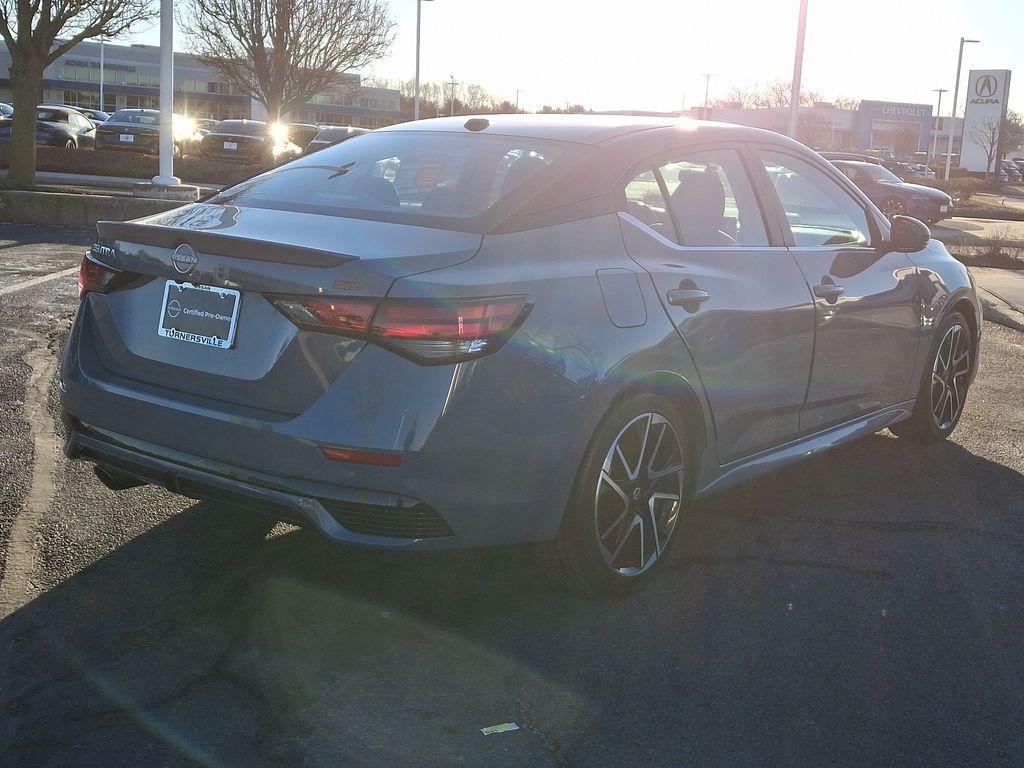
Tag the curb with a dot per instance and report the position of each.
(999, 312)
(76, 210)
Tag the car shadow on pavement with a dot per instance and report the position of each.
(818, 614)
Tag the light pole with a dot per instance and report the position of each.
(416, 99)
(166, 177)
(518, 91)
(936, 129)
(798, 67)
(101, 74)
(707, 91)
(956, 95)
(453, 84)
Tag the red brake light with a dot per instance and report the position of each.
(343, 315)
(426, 330)
(93, 276)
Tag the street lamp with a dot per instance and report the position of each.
(416, 100)
(936, 129)
(166, 177)
(956, 95)
(798, 67)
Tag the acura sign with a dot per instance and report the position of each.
(987, 91)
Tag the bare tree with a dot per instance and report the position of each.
(986, 135)
(283, 52)
(37, 32)
(844, 102)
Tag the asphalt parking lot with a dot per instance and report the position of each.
(861, 609)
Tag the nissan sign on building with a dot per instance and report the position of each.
(987, 92)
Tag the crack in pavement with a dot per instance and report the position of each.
(16, 586)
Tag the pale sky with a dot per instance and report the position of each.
(649, 54)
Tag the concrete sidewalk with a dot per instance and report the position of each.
(979, 232)
(1002, 294)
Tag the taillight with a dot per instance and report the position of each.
(427, 331)
(94, 276)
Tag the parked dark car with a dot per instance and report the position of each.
(1013, 173)
(239, 141)
(95, 116)
(553, 330)
(138, 130)
(895, 197)
(56, 127)
(332, 135)
(298, 135)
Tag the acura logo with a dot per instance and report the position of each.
(986, 86)
(184, 258)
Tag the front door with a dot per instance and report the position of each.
(866, 299)
(739, 302)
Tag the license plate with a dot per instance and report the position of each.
(230, 145)
(199, 314)
(127, 138)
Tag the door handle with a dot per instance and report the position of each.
(828, 291)
(682, 297)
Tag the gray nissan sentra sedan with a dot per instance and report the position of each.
(554, 330)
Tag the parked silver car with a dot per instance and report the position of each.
(515, 329)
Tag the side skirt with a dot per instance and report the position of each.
(741, 470)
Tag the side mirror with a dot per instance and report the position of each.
(908, 234)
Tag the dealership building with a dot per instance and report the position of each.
(904, 128)
(131, 78)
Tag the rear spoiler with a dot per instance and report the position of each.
(220, 244)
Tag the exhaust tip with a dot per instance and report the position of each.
(116, 480)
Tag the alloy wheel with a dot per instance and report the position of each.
(639, 494)
(949, 376)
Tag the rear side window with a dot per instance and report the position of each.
(396, 175)
(710, 201)
(819, 212)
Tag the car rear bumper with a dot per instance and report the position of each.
(476, 457)
(343, 514)
(144, 145)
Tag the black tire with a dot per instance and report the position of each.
(924, 425)
(578, 556)
(893, 206)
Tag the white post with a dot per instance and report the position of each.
(956, 96)
(936, 128)
(416, 101)
(101, 74)
(798, 66)
(166, 177)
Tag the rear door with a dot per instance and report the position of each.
(866, 299)
(731, 288)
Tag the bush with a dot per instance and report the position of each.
(132, 165)
(960, 188)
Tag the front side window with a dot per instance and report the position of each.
(818, 210)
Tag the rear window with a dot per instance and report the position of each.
(242, 127)
(140, 118)
(395, 175)
(333, 134)
(51, 116)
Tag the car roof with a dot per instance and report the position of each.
(587, 128)
(856, 163)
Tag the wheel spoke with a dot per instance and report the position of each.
(674, 469)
